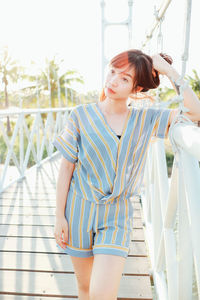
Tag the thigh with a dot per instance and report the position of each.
(79, 214)
(83, 269)
(106, 275)
(113, 233)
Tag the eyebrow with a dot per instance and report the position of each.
(127, 74)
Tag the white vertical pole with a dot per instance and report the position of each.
(37, 92)
(104, 24)
(49, 85)
(21, 116)
(58, 84)
(188, 5)
(130, 22)
(72, 97)
(66, 93)
(102, 41)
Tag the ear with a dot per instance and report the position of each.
(138, 89)
(153, 72)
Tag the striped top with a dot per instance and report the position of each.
(108, 167)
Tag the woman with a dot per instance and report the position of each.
(104, 147)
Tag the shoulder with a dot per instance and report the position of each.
(80, 107)
(78, 112)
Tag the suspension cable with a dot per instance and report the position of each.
(181, 87)
(161, 13)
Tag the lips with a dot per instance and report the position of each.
(110, 91)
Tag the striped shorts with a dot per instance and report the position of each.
(98, 228)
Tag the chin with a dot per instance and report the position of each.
(111, 96)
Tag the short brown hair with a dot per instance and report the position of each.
(143, 67)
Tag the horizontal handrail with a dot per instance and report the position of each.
(187, 137)
(7, 112)
(32, 137)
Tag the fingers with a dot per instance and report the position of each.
(61, 240)
(65, 236)
(61, 232)
(167, 57)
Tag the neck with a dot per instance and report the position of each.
(115, 106)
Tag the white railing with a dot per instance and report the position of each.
(172, 215)
(34, 130)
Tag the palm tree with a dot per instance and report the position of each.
(67, 78)
(51, 79)
(9, 69)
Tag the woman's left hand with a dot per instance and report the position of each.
(160, 64)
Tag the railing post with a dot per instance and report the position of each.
(184, 248)
(21, 140)
(39, 116)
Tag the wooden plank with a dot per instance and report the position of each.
(61, 263)
(27, 196)
(41, 231)
(48, 245)
(31, 190)
(20, 210)
(5, 210)
(23, 297)
(27, 231)
(12, 201)
(53, 284)
(43, 220)
(27, 203)
(27, 243)
(24, 187)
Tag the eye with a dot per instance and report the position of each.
(125, 79)
(112, 71)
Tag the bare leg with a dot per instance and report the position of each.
(106, 275)
(83, 269)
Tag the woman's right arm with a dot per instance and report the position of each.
(63, 183)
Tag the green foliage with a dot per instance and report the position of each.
(9, 70)
(51, 76)
(195, 83)
(31, 160)
(170, 159)
(3, 148)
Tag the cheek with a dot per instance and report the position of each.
(127, 88)
(107, 80)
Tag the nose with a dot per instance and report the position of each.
(114, 80)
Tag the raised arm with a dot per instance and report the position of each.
(191, 100)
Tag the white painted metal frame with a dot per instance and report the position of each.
(104, 24)
(172, 215)
(43, 132)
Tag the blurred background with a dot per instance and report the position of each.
(54, 46)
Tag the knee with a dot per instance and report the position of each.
(83, 287)
(96, 294)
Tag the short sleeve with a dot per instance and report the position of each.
(67, 141)
(161, 127)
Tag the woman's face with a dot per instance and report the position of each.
(119, 82)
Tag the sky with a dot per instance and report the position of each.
(71, 29)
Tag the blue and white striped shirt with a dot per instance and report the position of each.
(108, 167)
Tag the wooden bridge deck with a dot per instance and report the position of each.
(31, 266)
